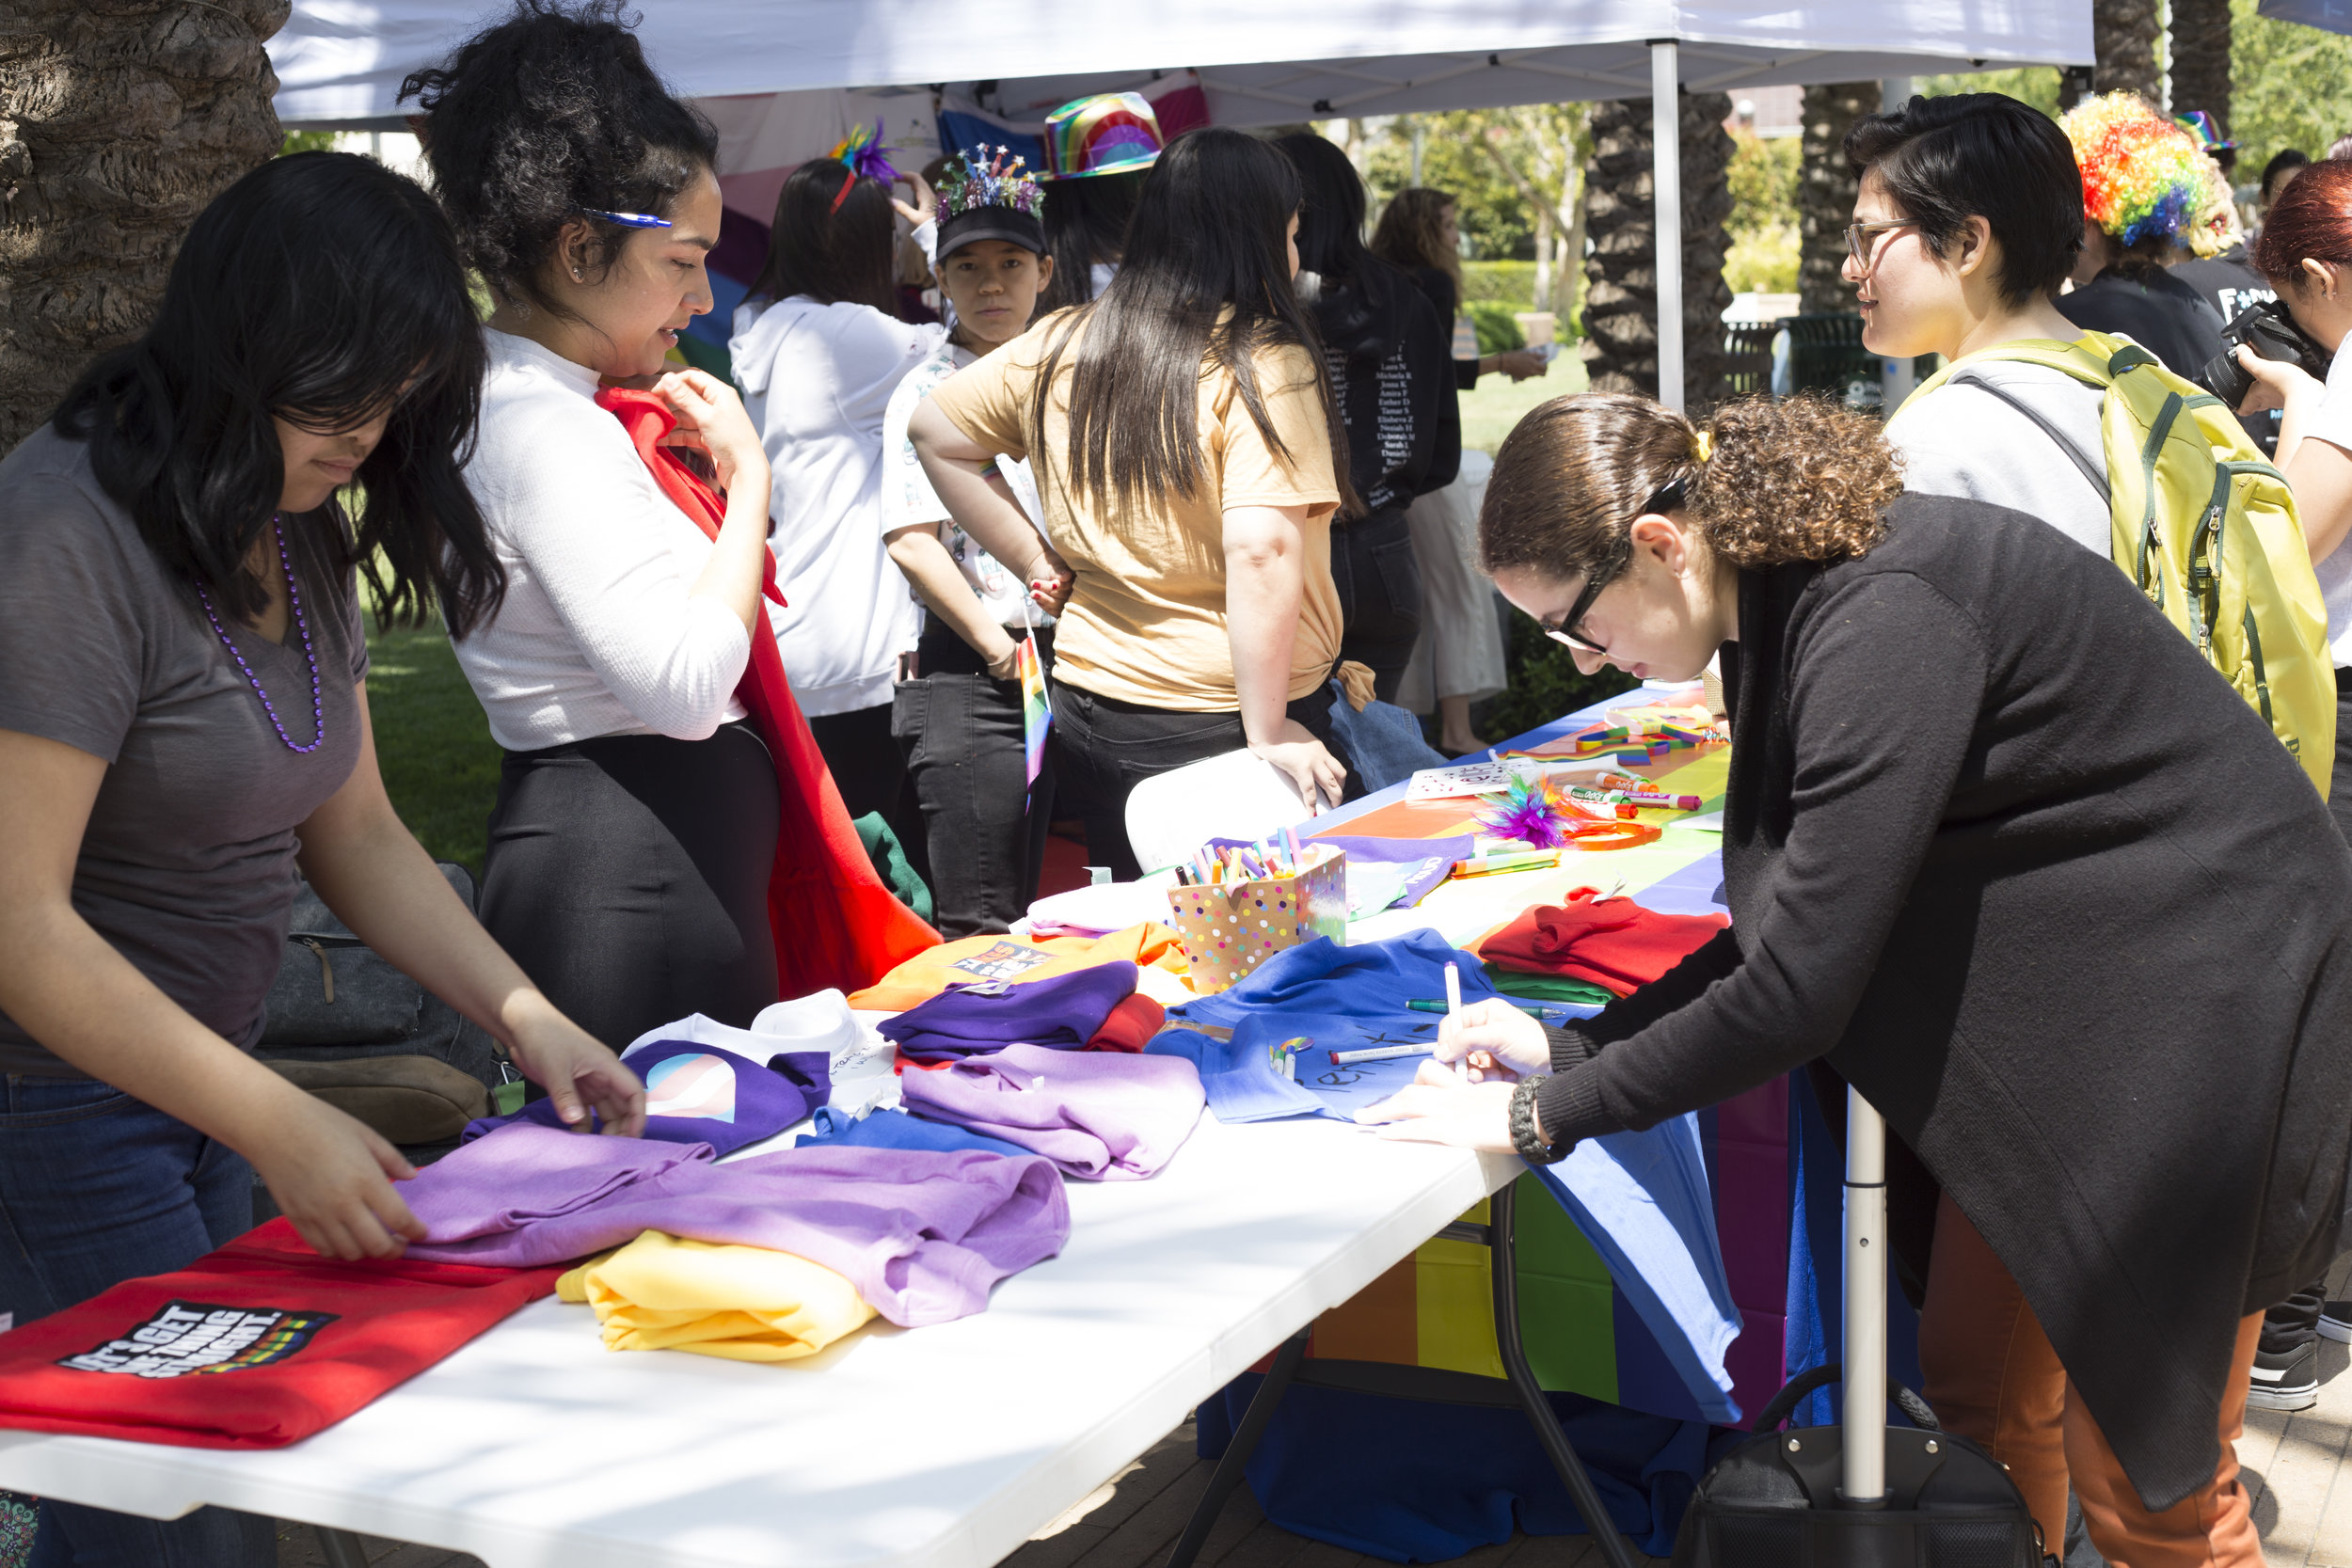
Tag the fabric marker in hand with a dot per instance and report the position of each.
(1453, 990)
(1437, 1004)
(1379, 1053)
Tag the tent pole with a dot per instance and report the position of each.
(1667, 185)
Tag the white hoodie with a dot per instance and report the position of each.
(817, 380)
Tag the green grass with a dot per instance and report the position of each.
(440, 766)
(1499, 402)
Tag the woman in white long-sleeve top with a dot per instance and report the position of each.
(637, 812)
(817, 350)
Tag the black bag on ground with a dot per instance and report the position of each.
(347, 1026)
(1773, 1502)
(1779, 1499)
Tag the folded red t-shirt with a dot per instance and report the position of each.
(1130, 1025)
(254, 1346)
(1617, 943)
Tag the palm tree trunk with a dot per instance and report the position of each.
(2201, 58)
(2124, 36)
(119, 119)
(1620, 349)
(1825, 192)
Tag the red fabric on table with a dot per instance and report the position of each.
(837, 926)
(1616, 943)
(315, 1341)
(1130, 1025)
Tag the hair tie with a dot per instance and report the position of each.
(1702, 446)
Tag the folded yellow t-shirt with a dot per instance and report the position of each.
(745, 1303)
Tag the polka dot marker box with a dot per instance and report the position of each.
(1230, 929)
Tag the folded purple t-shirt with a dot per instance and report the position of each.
(494, 1186)
(922, 1234)
(1097, 1114)
(699, 1094)
(1063, 1012)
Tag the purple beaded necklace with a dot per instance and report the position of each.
(293, 598)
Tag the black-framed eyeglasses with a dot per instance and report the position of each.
(1567, 630)
(1862, 239)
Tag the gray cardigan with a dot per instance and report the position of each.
(2006, 853)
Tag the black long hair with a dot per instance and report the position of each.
(544, 120)
(316, 288)
(1205, 282)
(1085, 222)
(1360, 306)
(830, 242)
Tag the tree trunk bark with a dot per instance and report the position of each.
(2123, 36)
(1620, 348)
(1542, 300)
(2201, 58)
(1825, 192)
(119, 119)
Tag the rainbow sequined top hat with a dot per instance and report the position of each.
(1111, 132)
(988, 194)
(2198, 123)
(2143, 177)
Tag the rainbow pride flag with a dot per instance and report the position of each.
(1037, 715)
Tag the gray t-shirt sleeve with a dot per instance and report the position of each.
(70, 642)
(355, 629)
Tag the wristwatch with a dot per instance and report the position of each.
(1523, 1139)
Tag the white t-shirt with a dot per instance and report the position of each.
(1961, 439)
(2333, 425)
(817, 380)
(601, 632)
(908, 499)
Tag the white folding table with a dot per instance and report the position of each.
(940, 1448)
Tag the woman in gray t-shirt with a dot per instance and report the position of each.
(183, 720)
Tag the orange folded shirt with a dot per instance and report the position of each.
(1015, 959)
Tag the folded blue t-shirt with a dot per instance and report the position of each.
(897, 1130)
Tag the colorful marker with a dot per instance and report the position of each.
(1379, 1053)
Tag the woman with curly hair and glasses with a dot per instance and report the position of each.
(2003, 852)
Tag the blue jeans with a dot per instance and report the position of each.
(97, 1188)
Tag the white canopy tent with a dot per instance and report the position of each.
(795, 73)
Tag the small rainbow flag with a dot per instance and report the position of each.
(1037, 716)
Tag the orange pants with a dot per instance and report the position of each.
(1992, 1376)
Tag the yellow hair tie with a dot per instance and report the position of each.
(1702, 447)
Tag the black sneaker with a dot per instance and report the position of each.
(2335, 1322)
(2285, 1380)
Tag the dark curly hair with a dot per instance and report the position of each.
(1796, 478)
(538, 121)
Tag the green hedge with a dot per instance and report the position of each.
(1496, 332)
(1510, 283)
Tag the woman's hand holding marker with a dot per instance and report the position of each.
(1493, 1039)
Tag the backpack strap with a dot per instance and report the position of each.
(2095, 472)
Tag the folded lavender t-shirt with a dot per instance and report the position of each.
(1102, 1115)
(921, 1234)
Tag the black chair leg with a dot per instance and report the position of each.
(1502, 1211)
(1228, 1470)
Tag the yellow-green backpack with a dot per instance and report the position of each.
(2204, 525)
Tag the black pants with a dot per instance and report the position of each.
(2295, 1321)
(959, 729)
(1109, 747)
(628, 877)
(1379, 582)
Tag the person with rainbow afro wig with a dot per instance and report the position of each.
(2146, 182)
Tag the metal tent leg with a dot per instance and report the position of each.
(340, 1548)
(1228, 1470)
(1503, 1211)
